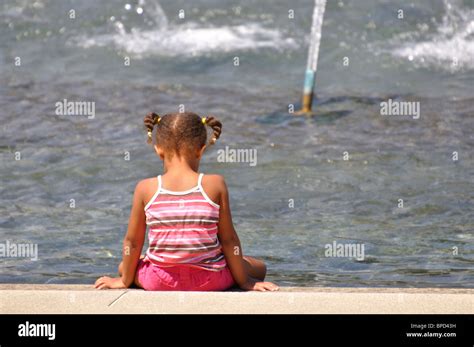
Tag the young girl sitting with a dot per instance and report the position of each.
(192, 241)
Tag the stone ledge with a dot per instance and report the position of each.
(67, 299)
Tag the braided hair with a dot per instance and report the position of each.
(180, 133)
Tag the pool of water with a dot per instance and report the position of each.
(302, 195)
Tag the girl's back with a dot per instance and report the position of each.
(183, 228)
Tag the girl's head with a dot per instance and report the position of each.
(181, 134)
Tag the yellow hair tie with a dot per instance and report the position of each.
(203, 120)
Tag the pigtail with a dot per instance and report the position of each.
(216, 127)
(150, 120)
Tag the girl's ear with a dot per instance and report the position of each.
(201, 152)
(160, 152)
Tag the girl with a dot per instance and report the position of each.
(192, 241)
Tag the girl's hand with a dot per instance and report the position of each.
(109, 283)
(252, 284)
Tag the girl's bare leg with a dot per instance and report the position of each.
(136, 274)
(256, 268)
(120, 268)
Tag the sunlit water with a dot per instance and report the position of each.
(301, 195)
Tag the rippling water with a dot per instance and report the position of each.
(425, 57)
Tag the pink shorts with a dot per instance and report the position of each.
(182, 278)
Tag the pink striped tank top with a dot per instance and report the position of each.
(182, 229)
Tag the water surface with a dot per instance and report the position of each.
(427, 57)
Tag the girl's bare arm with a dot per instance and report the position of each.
(228, 237)
(135, 237)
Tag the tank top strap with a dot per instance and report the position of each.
(159, 183)
(158, 190)
(201, 175)
(203, 192)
